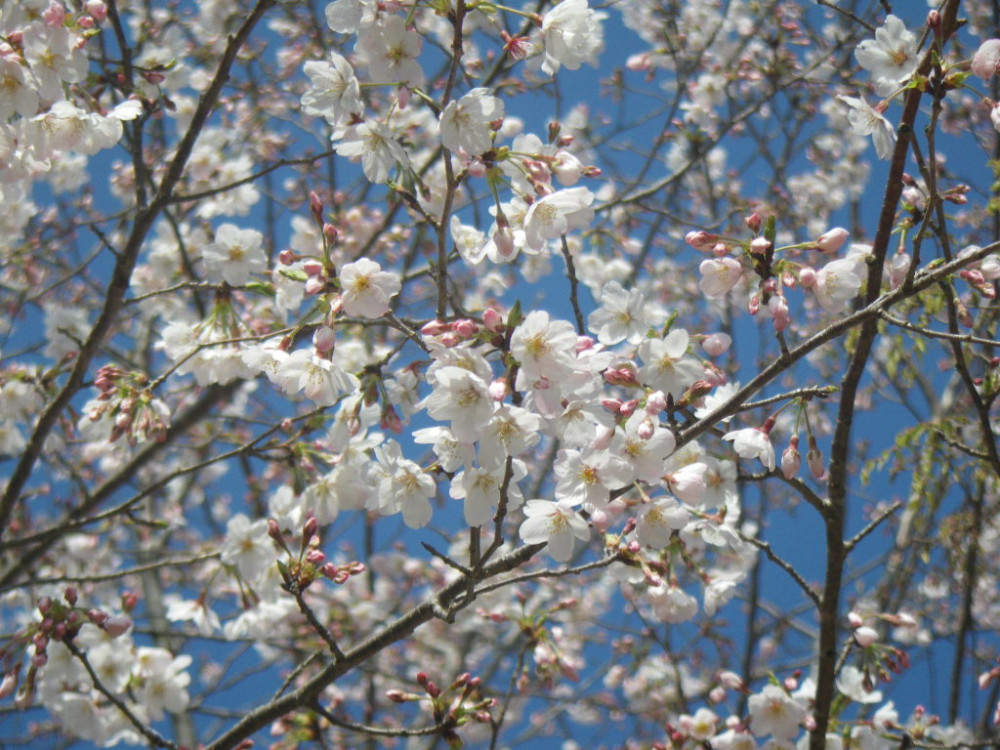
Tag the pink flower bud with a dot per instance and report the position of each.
(778, 307)
(503, 238)
(866, 636)
(316, 205)
(315, 285)
(315, 557)
(286, 257)
(117, 625)
(450, 339)
(465, 328)
(390, 420)
(396, 696)
(832, 240)
(760, 246)
(310, 528)
(331, 233)
(54, 15)
(791, 459)
(70, 596)
(717, 694)
(498, 390)
(731, 680)
(628, 407)
(854, 619)
(754, 222)
(313, 267)
(646, 429)
(435, 328)
(815, 460)
(274, 531)
(97, 9)
(905, 620)
(584, 344)
(638, 63)
(973, 276)
(656, 402)
(621, 376)
(807, 277)
(613, 405)
(476, 168)
(716, 344)
(8, 685)
(753, 306)
(493, 320)
(700, 240)
(324, 339)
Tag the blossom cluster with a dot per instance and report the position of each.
(479, 402)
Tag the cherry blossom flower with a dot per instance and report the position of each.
(334, 93)
(588, 477)
(56, 57)
(832, 240)
(248, 547)
(623, 315)
(891, 57)
(646, 455)
(391, 52)
(164, 681)
(851, 684)
(572, 34)
(657, 521)
(837, 283)
(775, 712)
(480, 487)
(464, 398)
(510, 431)
(556, 214)
(18, 91)
(557, 524)
(544, 348)
(401, 486)
(752, 442)
(451, 453)
(367, 289)
(666, 365)
(719, 275)
(466, 123)
(701, 726)
(348, 16)
(986, 61)
(66, 127)
(194, 610)
(320, 379)
(672, 604)
(376, 146)
(865, 120)
(234, 255)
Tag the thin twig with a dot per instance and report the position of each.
(853, 541)
(784, 565)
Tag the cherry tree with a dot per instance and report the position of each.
(449, 372)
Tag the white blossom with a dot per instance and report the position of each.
(466, 123)
(367, 289)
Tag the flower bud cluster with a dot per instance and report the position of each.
(128, 403)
